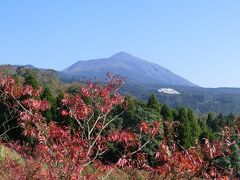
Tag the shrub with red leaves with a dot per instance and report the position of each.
(59, 152)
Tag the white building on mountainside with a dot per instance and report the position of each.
(168, 91)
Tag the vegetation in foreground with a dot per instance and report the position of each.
(92, 132)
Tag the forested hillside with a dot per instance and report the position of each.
(201, 100)
(91, 131)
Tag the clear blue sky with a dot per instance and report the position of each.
(197, 39)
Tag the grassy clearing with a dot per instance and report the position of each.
(6, 152)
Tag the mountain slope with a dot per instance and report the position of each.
(133, 68)
(201, 100)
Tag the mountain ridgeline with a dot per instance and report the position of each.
(136, 70)
(143, 78)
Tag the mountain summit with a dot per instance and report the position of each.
(135, 69)
(122, 55)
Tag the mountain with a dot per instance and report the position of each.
(135, 69)
(201, 100)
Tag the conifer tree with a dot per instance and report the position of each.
(210, 120)
(184, 130)
(195, 128)
(47, 95)
(153, 103)
(174, 114)
(129, 117)
(166, 113)
(31, 79)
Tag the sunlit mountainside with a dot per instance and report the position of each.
(135, 69)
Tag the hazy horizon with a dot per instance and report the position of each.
(198, 40)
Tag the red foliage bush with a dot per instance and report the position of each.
(59, 152)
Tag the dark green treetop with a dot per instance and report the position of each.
(153, 103)
(166, 113)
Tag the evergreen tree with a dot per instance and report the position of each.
(230, 119)
(153, 103)
(131, 108)
(166, 113)
(210, 120)
(195, 128)
(31, 79)
(205, 132)
(221, 121)
(47, 95)
(213, 123)
(184, 130)
(129, 118)
(174, 114)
